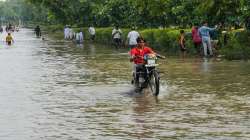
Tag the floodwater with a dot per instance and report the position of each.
(55, 90)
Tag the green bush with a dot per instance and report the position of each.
(103, 35)
(54, 28)
(164, 39)
(160, 39)
(238, 46)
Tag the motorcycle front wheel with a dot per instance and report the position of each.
(154, 83)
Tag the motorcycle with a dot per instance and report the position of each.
(147, 76)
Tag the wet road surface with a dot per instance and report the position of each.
(57, 90)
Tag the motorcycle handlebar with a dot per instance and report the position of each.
(160, 56)
(157, 55)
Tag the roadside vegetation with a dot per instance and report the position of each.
(159, 22)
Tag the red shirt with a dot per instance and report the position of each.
(140, 53)
(195, 35)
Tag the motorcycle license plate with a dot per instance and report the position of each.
(151, 62)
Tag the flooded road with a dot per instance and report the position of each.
(55, 90)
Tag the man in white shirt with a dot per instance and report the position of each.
(132, 36)
(66, 32)
(79, 37)
(71, 33)
(116, 35)
(92, 33)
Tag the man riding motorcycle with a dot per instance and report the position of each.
(138, 56)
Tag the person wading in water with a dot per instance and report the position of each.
(9, 39)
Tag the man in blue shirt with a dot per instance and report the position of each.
(206, 40)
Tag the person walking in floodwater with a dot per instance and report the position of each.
(1, 29)
(196, 39)
(66, 32)
(206, 41)
(71, 33)
(182, 44)
(79, 37)
(9, 39)
(92, 32)
(116, 35)
(38, 31)
(132, 36)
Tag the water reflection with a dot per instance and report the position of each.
(80, 46)
(59, 90)
(205, 67)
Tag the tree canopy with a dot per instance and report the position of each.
(14, 10)
(143, 13)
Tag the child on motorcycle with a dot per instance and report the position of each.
(138, 53)
(138, 57)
